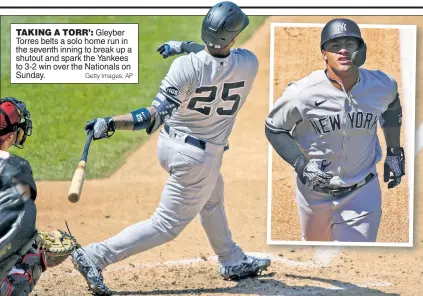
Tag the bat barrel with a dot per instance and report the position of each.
(79, 175)
(77, 182)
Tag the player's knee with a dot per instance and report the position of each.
(16, 284)
(20, 282)
(211, 206)
(25, 275)
(168, 226)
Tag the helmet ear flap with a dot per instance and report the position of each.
(359, 57)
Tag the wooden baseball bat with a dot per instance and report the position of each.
(79, 175)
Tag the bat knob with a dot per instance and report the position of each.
(73, 197)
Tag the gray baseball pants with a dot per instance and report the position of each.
(194, 186)
(351, 218)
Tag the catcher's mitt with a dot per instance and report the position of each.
(58, 246)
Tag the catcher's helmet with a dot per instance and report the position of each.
(345, 28)
(222, 24)
(15, 117)
(18, 216)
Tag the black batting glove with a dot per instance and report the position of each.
(310, 174)
(394, 166)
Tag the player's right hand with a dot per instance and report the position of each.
(101, 127)
(312, 176)
(170, 48)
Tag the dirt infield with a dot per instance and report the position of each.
(133, 192)
(301, 45)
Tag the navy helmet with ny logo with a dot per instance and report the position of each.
(342, 27)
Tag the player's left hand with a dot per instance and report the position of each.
(395, 164)
(170, 48)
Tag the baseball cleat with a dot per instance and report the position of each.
(250, 266)
(90, 272)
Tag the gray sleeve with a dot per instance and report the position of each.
(177, 83)
(173, 91)
(286, 112)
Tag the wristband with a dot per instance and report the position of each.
(141, 118)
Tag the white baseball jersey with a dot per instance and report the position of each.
(209, 92)
(335, 128)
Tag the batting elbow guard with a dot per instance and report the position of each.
(141, 118)
(392, 117)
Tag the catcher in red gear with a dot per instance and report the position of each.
(24, 252)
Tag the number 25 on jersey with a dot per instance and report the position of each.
(227, 87)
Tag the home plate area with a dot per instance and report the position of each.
(199, 276)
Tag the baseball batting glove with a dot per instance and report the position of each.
(58, 245)
(395, 164)
(311, 175)
(102, 127)
(172, 48)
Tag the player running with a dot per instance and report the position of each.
(325, 126)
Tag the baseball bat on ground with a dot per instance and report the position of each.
(79, 175)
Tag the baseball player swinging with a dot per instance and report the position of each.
(24, 252)
(325, 126)
(197, 102)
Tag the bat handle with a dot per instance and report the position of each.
(87, 145)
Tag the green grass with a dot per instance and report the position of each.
(59, 111)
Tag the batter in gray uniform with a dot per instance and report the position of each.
(325, 126)
(197, 102)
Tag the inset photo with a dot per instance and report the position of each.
(341, 132)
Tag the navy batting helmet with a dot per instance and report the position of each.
(222, 24)
(345, 28)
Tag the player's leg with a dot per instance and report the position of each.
(215, 224)
(186, 191)
(188, 187)
(357, 215)
(315, 214)
(23, 277)
(234, 262)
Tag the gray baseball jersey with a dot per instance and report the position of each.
(337, 130)
(209, 92)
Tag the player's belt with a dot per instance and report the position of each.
(193, 141)
(344, 190)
